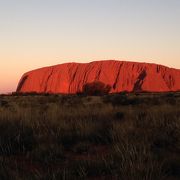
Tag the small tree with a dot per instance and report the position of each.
(96, 88)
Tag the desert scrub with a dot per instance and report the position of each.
(135, 162)
(121, 136)
(48, 154)
(15, 137)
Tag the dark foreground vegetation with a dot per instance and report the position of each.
(120, 136)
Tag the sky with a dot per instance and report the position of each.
(38, 33)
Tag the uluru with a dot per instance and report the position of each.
(69, 78)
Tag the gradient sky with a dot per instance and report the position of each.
(38, 33)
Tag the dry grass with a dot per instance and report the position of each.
(128, 137)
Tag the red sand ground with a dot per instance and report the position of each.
(69, 78)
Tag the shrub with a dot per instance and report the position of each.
(32, 93)
(3, 103)
(171, 167)
(96, 88)
(15, 138)
(119, 115)
(82, 147)
(51, 153)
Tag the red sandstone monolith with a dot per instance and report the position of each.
(69, 78)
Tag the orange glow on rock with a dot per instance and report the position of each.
(69, 78)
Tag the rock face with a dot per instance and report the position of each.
(69, 78)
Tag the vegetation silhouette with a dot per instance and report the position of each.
(96, 88)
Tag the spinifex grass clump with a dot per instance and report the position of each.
(15, 137)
